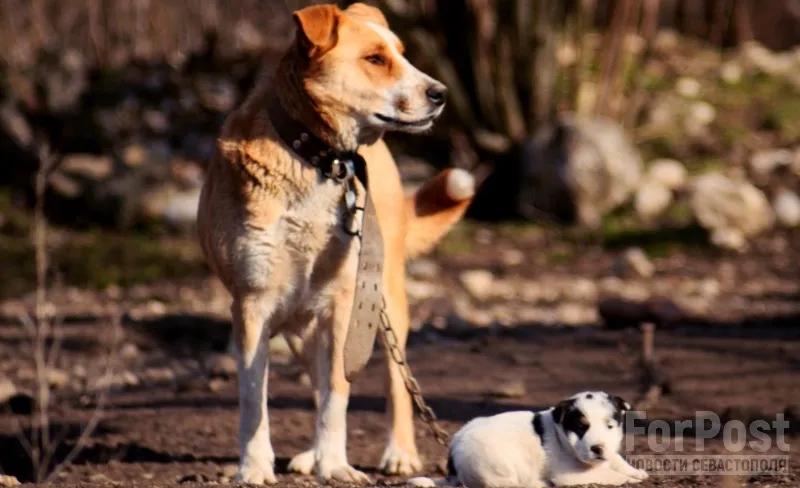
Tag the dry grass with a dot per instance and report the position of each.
(109, 32)
(43, 328)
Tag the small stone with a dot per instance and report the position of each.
(731, 72)
(216, 385)
(7, 481)
(156, 121)
(129, 351)
(422, 290)
(512, 257)
(100, 478)
(134, 155)
(633, 263)
(688, 87)
(786, 205)
(422, 482)
(221, 366)
(478, 283)
(511, 389)
(7, 390)
(279, 346)
(423, 269)
(734, 207)
(670, 173)
(57, 378)
(229, 470)
(701, 114)
(88, 166)
(192, 478)
(652, 200)
(764, 163)
(732, 239)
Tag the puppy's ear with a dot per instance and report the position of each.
(317, 27)
(560, 410)
(366, 13)
(619, 403)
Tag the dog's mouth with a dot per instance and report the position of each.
(419, 123)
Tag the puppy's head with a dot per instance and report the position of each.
(354, 71)
(591, 424)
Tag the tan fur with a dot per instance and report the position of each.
(270, 227)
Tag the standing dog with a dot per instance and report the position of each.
(271, 223)
(574, 443)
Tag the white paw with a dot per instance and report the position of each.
(396, 460)
(640, 475)
(344, 473)
(303, 463)
(256, 473)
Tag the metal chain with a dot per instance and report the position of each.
(426, 413)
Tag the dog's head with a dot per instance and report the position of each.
(591, 423)
(355, 72)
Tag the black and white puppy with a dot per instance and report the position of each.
(574, 443)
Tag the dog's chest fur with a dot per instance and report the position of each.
(297, 257)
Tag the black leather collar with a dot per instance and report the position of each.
(336, 165)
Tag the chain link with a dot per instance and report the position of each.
(426, 413)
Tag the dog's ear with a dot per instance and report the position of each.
(317, 28)
(619, 403)
(560, 410)
(367, 13)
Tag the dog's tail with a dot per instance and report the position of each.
(435, 207)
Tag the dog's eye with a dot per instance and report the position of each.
(376, 59)
(610, 426)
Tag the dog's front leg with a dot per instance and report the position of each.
(330, 444)
(250, 315)
(619, 464)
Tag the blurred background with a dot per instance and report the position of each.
(639, 159)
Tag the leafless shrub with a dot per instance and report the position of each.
(43, 327)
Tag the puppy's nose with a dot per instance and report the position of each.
(436, 93)
(597, 450)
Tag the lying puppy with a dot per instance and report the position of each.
(272, 224)
(574, 443)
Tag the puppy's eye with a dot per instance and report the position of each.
(610, 426)
(376, 59)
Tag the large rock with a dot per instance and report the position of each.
(727, 207)
(573, 171)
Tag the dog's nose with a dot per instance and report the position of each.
(436, 93)
(597, 450)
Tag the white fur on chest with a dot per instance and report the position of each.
(296, 259)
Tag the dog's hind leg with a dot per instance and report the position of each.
(330, 443)
(400, 456)
(257, 458)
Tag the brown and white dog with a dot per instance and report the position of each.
(270, 224)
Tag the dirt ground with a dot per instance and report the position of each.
(182, 432)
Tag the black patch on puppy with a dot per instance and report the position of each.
(571, 418)
(538, 427)
(620, 407)
(451, 468)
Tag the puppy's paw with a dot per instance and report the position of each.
(256, 473)
(639, 474)
(396, 460)
(303, 463)
(344, 473)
